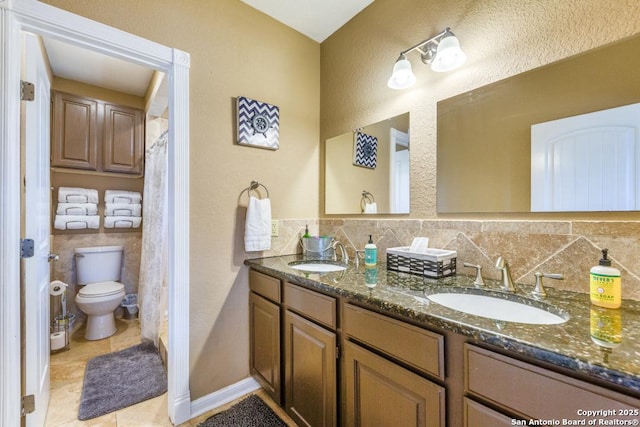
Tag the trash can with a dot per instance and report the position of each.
(130, 306)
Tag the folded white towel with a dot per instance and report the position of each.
(77, 209)
(257, 228)
(123, 209)
(77, 195)
(76, 222)
(370, 208)
(122, 221)
(122, 196)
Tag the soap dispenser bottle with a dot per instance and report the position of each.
(370, 253)
(605, 284)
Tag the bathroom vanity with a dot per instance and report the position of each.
(333, 351)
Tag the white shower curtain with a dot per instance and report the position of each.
(152, 283)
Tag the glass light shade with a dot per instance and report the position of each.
(402, 76)
(449, 55)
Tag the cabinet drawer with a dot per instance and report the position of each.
(267, 286)
(534, 392)
(477, 415)
(312, 305)
(417, 347)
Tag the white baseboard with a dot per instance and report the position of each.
(218, 398)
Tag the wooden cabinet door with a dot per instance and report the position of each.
(265, 344)
(310, 372)
(123, 139)
(74, 139)
(381, 393)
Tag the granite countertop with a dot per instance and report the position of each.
(568, 345)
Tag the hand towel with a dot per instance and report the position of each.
(77, 209)
(370, 208)
(122, 221)
(122, 196)
(257, 228)
(76, 222)
(123, 209)
(77, 195)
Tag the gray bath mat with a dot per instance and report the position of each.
(116, 380)
(250, 412)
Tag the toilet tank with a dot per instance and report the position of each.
(98, 264)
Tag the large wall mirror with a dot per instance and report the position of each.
(367, 169)
(484, 135)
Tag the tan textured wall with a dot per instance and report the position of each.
(501, 38)
(235, 50)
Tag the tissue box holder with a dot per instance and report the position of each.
(434, 263)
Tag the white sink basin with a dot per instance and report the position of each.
(318, 267)
(497, 308)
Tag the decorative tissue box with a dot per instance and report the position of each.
(435, 263)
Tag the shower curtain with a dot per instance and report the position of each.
(152, 283)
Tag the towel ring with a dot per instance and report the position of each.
(253, 187)
(366, 198)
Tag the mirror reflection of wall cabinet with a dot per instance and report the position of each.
(484, 135)
(94, 135)
(387, 184)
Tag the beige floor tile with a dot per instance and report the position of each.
(63, 404)
(108, 420)
(150, 413)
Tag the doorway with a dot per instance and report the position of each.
(43, 20)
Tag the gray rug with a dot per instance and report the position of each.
(116, 380)
(250, 412)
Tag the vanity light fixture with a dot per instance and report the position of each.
(442, 52)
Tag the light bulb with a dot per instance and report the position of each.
(402, 76)
(449, 55)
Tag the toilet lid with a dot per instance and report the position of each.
(101, 289)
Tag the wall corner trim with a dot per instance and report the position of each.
(222, 396)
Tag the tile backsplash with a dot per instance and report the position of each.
(567, 247)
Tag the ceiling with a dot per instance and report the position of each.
(317, 19)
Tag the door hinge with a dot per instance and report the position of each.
(28, 404)
(27, 91)
(338, 352)
(26, 248)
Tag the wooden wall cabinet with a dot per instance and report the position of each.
(74, 136)
(94, 135)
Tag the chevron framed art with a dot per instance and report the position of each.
(258, 123)
(365, 150)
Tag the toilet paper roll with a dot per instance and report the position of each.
(58, 340)
(57, 287)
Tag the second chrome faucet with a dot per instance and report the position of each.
(507, 281)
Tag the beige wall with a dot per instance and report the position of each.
(235, 50)
(500, 37)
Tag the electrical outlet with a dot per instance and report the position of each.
(274, 228)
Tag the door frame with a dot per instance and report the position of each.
(42, 19)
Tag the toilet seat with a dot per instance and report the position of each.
(101, 289)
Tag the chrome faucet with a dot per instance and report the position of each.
(343, 252)
(507, 281)
(479, 281)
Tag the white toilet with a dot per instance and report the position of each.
(98, 271)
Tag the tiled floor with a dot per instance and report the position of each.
(67, 371)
